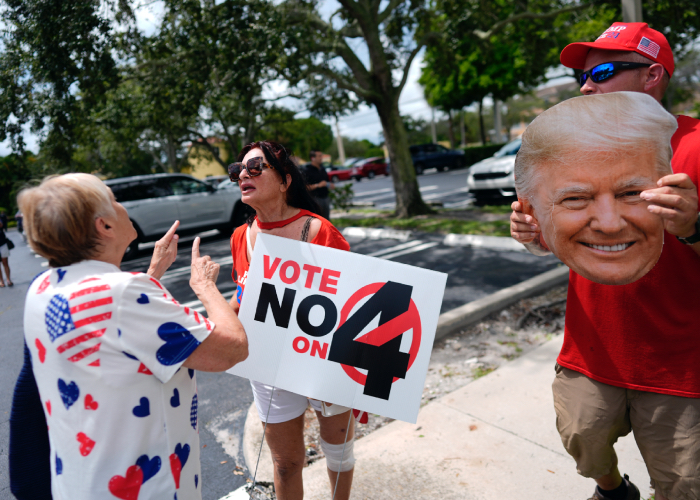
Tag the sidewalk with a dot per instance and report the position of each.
(493, 439)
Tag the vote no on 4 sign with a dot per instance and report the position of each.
(338, 326)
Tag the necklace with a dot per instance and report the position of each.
(279, 223)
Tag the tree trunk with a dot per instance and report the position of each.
(481, 123)
(450, 128)
(462, 131)
(408, 198)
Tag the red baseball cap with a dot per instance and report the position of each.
(631, 37)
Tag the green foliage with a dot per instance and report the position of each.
(55, 66)
(341, 196)
(355, 148)
(15, 172)
(300, 135)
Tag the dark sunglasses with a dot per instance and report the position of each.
(254, 167)
(608, 70)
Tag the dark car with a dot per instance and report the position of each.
(435, 156)
(370, 168)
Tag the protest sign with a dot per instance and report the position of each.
(339, 327)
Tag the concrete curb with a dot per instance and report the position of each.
(479, 241)
(468, 314)
(374, 233)
(449, 322)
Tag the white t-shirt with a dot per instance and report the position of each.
(107, 349)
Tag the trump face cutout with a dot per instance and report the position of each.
(580, 171)
(594, 221)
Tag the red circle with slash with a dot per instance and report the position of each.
(408, 320)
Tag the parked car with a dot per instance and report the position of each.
(338, 173)
(435, 156)
(155, 201)
(369, 168)
(493, 180)
(215, 180)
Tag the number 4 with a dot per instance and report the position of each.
(383, 362)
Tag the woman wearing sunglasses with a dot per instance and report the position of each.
(273, 186)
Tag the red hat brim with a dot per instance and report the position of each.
(574, 55)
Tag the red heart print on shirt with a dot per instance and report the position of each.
(128, 487)
(90, 403)
(44, 285)
(176, 469)
(41, 350)
(48, 407)
(86, 444)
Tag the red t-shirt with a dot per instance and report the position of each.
(645, 335)
(328, 236)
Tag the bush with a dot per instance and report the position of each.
(341, 196)
(478, 153)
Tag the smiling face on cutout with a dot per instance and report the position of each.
(594, 221)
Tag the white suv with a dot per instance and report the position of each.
(492, 180)
(155, 201)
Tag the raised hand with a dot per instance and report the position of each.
(204, 271)
(676, 201)
(164, 253)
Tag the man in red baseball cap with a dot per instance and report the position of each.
(630, 356)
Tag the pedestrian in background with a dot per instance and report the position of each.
(20, 224)
(317, 181)
(4, 251)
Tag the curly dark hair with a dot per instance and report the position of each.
(279, 157)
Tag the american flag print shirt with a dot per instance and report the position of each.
(107, 351)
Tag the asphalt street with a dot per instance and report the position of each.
(448, 187)
(224, 399)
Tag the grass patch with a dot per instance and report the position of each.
(430, 225)
(479, 371)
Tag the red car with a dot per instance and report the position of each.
(370, 168)
(337, 173)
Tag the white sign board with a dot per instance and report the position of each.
(338, 326)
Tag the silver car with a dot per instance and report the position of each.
(492, 180)
(155, 201)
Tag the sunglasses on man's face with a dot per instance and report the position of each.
(254, 167)
(608, 70)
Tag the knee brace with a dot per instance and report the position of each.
(334, 455)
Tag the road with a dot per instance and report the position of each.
(473, 273)
(448, 187)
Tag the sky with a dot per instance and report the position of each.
(363, 124)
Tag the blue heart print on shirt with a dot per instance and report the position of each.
(61, 274)
(143, 409)
(190, 372)
(179, 344)
(183, 453)
(175, 400)
(58, 318)
(196, 480)
(143, 299)
(69, 392)
(193, 412)
(59, 466)
(149, 467)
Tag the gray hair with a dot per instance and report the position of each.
(614, 125)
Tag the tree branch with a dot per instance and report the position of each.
(344, 84)
(409, 61)
(528, 15)
(393, 4)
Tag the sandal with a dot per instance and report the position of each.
(2, 285)
(9, 283)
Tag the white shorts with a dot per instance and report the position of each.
(4, 251)
(285, 405)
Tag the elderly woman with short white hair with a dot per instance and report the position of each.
(580, 172)
(113, 353)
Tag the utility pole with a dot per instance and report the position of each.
(339, 139)
(432, 125)
(632, 11)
